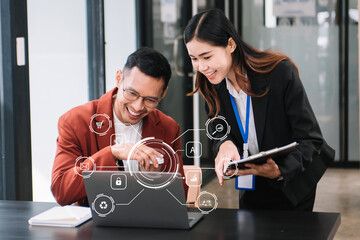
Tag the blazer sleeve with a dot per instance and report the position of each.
(304, 128)
(67, 183)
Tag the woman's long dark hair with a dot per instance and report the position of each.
(213, 27)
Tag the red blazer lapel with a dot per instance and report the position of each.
(104, 120)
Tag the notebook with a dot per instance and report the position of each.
(67, 216)
(140, 199)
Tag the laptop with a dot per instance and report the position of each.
(138, 199)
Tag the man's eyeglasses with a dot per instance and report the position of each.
(132, 95)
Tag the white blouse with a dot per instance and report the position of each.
(240, 101)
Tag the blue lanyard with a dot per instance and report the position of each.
(244, 134)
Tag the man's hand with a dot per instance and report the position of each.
(227, 152)
(143, 155)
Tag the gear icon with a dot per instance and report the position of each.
(103, 205)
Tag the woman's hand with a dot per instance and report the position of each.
(269, 170)
(227, 151)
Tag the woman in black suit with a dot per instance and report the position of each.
(263, 100)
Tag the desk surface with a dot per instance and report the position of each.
(219, 224)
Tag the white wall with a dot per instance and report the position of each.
(120, 36)
(58, 78)
(59, 72)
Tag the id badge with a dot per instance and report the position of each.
(246, 182)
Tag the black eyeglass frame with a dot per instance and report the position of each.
(136, 96)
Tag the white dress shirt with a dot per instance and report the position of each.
(128, 134)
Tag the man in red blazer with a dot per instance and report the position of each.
(88, 133)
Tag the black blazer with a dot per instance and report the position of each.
(282, 116)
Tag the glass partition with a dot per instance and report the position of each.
(353, 82)
(169, 20)
(308, 34)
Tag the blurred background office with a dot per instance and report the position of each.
(57, 54)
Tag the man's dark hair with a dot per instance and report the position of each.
(151, 63)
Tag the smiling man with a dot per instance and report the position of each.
(100, 134)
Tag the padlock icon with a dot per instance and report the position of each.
(118, 181)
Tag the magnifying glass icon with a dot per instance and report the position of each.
(218, 128)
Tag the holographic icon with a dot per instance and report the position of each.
(82, 166)
(152, 179)
(103, 205)
(221, 170)
(98, 123)
(118, 141)
(118, 181)
(217, 128)
(193, 178)
(206, 202)
(193, 149)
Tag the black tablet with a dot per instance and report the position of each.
(261, 157)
